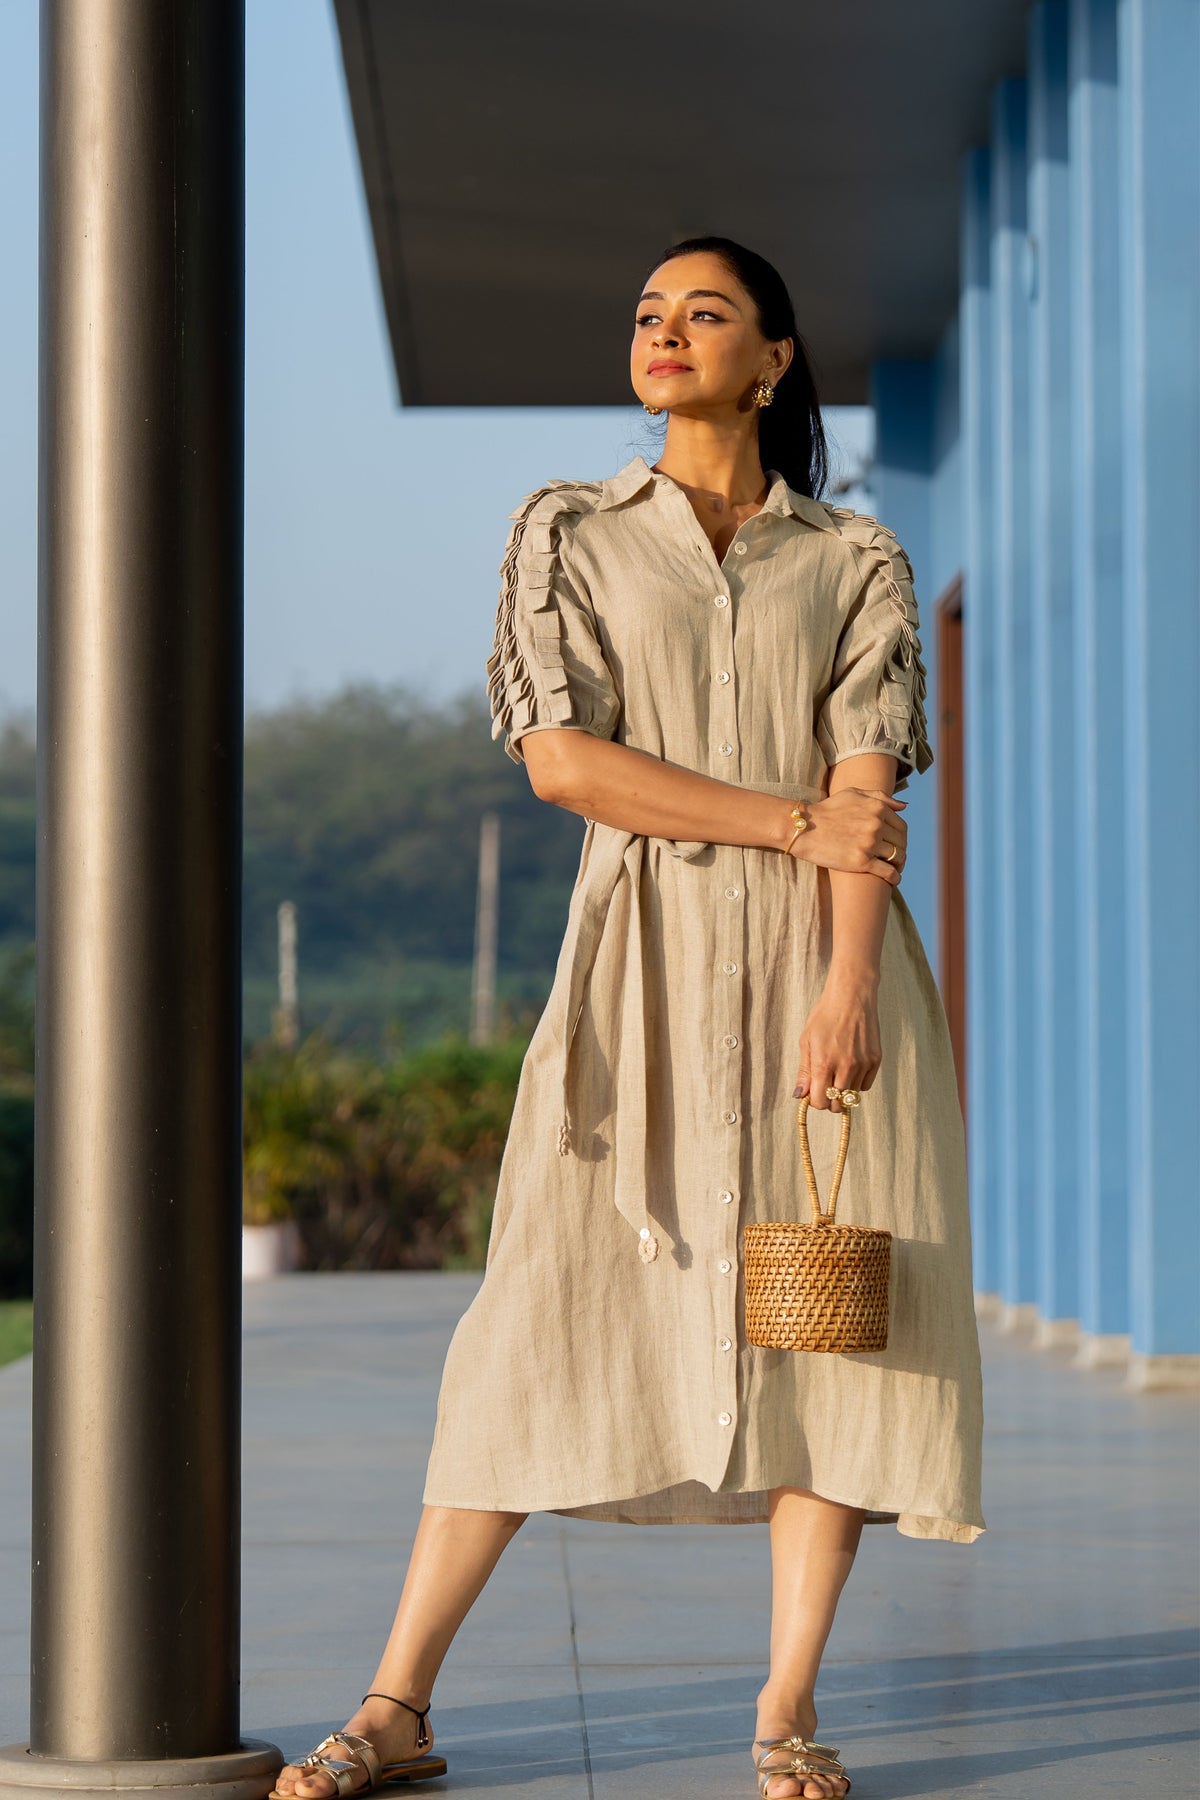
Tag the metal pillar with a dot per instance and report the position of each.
(137, 1302)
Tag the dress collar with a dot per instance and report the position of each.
(780, 498)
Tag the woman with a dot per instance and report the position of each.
(722, 675)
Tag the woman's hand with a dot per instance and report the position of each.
(839, 1046)
(854, 829)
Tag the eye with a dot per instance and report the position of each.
(702, 312)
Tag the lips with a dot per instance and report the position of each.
(669, 368)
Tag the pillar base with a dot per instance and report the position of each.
(987, 1306)
(1056, 1334)
(245, 1774)
(1102, 1350)
(1147, 1373)
(1018, 1316)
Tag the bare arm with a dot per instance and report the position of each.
(860, 908)
(634, 791)
(840, 1045)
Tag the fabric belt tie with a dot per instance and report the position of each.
(611, 856)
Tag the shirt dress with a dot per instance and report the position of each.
(602, 1369)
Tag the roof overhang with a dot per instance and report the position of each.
(524, 164)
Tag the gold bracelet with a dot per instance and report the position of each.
(802, 824)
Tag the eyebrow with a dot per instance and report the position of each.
(698, 294)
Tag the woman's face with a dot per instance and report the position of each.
(697, 348)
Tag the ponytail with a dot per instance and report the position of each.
(791, 437)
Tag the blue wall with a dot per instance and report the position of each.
(1050, 451)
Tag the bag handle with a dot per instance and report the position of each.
(819, 1217)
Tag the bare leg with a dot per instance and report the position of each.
(454, 1552)
(813, 1545)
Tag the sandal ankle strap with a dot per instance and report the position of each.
(421, 1713)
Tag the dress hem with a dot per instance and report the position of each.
(931, 1526)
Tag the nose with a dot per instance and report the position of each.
(662, 337)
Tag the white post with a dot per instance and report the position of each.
(483, 981)
(287, 1016)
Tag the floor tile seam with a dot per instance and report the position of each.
(1076, 1700)
(466, 1669)
(734, 1663)
(314, 1543)
(575, 1665)
(979, 1718)
(1078, 1666)
(960, 1716)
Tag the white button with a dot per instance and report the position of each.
(725, 749)
(731, 893)
(725, 1196)
(725, 1343)
(722, 676)
(721, 600)
(724, 1418)
(730, 1118)
(724, 1265)
(739, 549)
(730, 968)
(730, 1042)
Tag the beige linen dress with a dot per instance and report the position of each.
(602, 1369)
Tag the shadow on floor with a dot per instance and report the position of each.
(871, 1706)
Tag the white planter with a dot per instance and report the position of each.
(270, 1249)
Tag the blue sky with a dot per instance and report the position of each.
(373, 535)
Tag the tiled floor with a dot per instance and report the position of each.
(1054, 1657)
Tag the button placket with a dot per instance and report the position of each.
(728, 875)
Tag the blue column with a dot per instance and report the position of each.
(902, 396)
(1159, 214)
(1009, 812)
(1102, 846)
(985, 1125)
(1053, 798)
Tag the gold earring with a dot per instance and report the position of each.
(652, 410)
(763, 394)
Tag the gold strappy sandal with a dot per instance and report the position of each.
(364, 1755)
(802, 1755)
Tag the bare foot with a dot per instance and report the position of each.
(785, 1785)
(391, 1728)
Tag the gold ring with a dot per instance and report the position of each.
(891, 855)
(847, 1096)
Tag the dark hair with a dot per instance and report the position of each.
(791, 437)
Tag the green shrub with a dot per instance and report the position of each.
(16, 1194)
(383, 1164)
(16, 1329)
(16, 1121)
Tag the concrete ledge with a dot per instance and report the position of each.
(1147, 1373)
(1102, 1350)
(987, 1306)
(1018, 1315)
(245, 1774)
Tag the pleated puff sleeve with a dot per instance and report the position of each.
(547, 668)
(876, 697)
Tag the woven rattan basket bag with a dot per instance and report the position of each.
(818, 1286)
